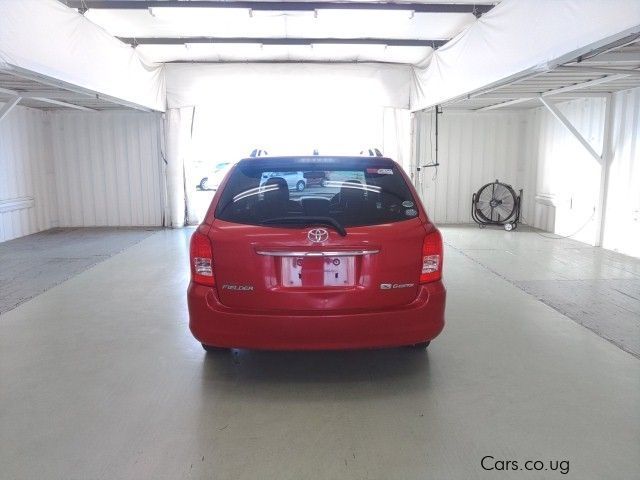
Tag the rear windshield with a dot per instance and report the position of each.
(351, 192)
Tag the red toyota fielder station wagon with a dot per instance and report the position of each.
(350, 262)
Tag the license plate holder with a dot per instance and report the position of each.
(320, 271)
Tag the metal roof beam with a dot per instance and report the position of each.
(514, 95)
(38, 96)
(392, 42)
(508, 103)
(280, 6)
(597, 70)
(62, 104)
(579, 86)
(613, 57)
(558, 92)
(7, 107)
(64, 96)
(71, 88)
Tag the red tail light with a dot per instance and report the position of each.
(431, 258)
(201, 259)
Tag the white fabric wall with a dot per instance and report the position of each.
(108, 168)
(27, 196)
(474, 149)
(178, 133)
(271, 86)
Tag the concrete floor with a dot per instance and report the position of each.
(100, 379)
(31, 265)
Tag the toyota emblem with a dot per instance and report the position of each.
(318, 235)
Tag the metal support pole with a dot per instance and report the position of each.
(437, 113)
(7, 107)
(605, 167)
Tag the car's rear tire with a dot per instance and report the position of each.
(421, 345)
(300, 186)
(213, 349)
(204, 183)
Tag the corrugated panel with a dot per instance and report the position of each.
(622, 226)
(534, 151)
(25, 174)
(108, 168)
(474, 149)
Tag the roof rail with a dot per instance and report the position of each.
(258, 153)
(372, 152)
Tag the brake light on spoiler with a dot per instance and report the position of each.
(431, 258)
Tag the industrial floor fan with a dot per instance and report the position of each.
(496, 204)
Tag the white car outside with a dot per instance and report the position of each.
(295, 180)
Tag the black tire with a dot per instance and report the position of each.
(300, 186)
(421, 345)
(213, 349)
(204, 183)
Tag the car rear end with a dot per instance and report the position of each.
(351, 263)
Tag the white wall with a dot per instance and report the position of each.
(26, 173)
(571, 177)
(474, 149)
(531, 149)
(622, 225)
(567, 176)
(72, 169)
(108, 168)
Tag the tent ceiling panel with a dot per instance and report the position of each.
(519, 39)
(424, 23)
(186, 22)
(53, 45)
(284, 53)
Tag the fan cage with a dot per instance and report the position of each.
(496, 203)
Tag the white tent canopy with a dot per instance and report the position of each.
(52, 41)
(517, 38)
(312, 31)
(249, 86)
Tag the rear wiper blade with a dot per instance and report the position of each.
(331, 222)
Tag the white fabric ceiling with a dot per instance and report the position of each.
(323, 23)
(514, 39)
(272, 87)
(518, 38)
(55, 42)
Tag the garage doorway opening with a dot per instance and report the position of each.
(221, 137)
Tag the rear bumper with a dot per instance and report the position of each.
(214, 324)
